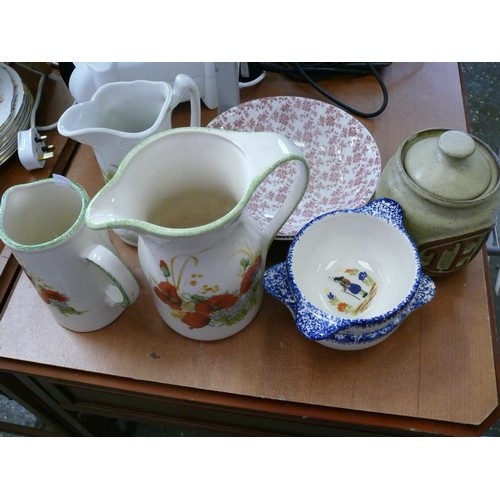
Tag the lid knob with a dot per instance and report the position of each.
(448, 164)
(456, 144)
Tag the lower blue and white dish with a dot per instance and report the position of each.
(351, 277)
(349, 339)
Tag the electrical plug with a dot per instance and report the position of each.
(32, 150)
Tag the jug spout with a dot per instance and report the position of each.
(78, 124)
(117, 118)
(124, 109)
(120, 115)
(193, 180)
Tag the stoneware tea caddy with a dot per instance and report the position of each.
(448, 185)
(204, 273)
(351, 276)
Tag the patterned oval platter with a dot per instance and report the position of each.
(343, 157)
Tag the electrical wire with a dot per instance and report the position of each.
(36, 102)
(40, 128)
(345, 106)
(321, 70)
(257, 80)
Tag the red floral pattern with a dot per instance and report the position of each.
(343, 157)
(201, 310)
(53, 298)
(250, 275)
(167, 293)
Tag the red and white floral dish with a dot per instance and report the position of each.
(343, 157)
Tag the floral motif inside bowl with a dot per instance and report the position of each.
(351, 276)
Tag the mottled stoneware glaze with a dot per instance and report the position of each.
(448, 185)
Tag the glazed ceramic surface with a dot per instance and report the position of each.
(351, 277)
(6, 96)
(75, 270)
(355, 338)
(205, 277)
(448, 185)
(343, 157)
(120, 115)
(15, 110)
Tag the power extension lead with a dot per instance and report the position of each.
(32, 150)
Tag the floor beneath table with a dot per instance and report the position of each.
(483, 100)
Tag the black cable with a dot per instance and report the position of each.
(309, 71)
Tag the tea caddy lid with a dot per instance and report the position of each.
(450, 164)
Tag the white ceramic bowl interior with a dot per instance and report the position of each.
(354, 265)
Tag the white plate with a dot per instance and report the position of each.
(19, 90)
(6, 96)
(343, 157)
(20, 117)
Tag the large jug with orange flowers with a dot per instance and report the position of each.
(186, 193)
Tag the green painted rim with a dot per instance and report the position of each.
(76, 226)
(160, 231)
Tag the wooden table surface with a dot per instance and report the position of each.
(437, 373)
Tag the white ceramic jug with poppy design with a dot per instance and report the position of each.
(77, 272)
(184, 192)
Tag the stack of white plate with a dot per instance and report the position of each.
(16, 103)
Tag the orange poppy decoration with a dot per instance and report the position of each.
(53, 298)
(168, 293)
(201, 309)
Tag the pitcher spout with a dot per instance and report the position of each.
(86, 124)
(120, 115)
(195, 180)
(119, 108)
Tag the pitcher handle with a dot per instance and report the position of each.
(292, 200)
(182, 84)
(121, 279)
(277, 150)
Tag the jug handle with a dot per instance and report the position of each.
(184, 83)
(282, 150)
(121, 278)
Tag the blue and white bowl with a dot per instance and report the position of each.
(351, 276)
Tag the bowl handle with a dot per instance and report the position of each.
(425, 293)
(276, 284)
(314, 323)
(385, 208)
